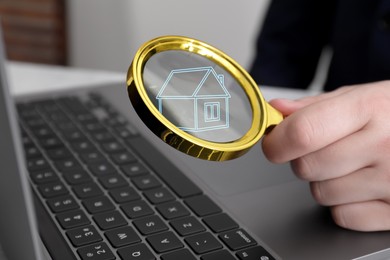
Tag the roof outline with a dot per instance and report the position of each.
(219, 78)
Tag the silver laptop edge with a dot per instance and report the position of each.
(17, 214)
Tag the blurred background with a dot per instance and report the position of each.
(102, 34)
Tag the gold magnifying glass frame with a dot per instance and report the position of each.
(263, 115)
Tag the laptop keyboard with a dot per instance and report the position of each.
(97, 181)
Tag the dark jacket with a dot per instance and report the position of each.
(295, 32)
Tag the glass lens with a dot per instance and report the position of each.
(197, 96)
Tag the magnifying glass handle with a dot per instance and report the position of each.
(274, 117)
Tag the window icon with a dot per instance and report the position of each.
(212, 111)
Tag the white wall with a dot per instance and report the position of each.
(105, 34)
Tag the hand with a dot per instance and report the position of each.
(340, 143)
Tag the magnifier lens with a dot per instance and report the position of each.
(197, 96)
(197, 99)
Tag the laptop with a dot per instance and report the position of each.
(83, 178)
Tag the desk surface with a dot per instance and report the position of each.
(25, 78)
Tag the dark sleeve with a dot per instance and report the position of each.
(290, 43)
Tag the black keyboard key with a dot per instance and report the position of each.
(57, 116)
(150, 225)
(85, 117)
(46, 105)
(125, 132)
(26, 110)
(78, 176)
(83, 235)
(237, 239)
(109, 220)
(136, 252)
(115, 121)
(164, 242)
(32, 152)
(35, 122)
(122, 236)
(187, 226)
(203, 243)
(102, 168)
(159, 195)
(83, 146)
(36, 164)
(219, 255)
(43, 176)
(103, 137)
(220, 222)
(98, 204)
(87, 190)
(172, 210)
(74, 106)
(72, 219)
(146, 182)
(66, 127)
(26, 141)
(134, 170)
(94, 127)
(113, 181)
(98, 251)
(69, 164)
(202, 205)
(137, 209)
(113, 147)
(92, 157)
(173, 177)
(124, 194)
(61, 204)
(53, 189)
(123, 158)
(43, 131)
(184, 254)
(74, 135)
(59, 153)
(51, 142)
(254, 253)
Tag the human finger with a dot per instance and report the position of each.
(316, 126)
(363, 185)
(363, 216)
(338, 159)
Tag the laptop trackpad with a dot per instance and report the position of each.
(249, 172)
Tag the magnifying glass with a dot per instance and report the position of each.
(197, 99)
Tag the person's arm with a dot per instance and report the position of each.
(340, 143)
(291, 40)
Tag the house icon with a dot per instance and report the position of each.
(195, 99)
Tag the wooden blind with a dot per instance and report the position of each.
(34, 30)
